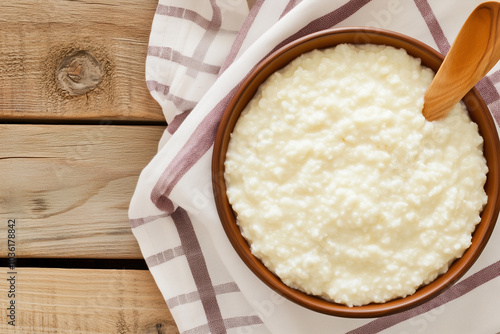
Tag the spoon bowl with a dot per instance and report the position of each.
(474, 52)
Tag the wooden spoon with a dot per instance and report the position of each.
(474, 52)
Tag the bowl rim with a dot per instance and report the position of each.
(280, 58)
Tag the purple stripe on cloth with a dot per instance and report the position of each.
(494, 96)
(183, 105)
(165, 256)
(191, 63)
(242, 34)
(177, 121)
(458, 290)
(199, 270)
(183, 299)
(488, 90)
(165, 204)
(189, 15)
(226, 288)
(495, 77)
(195, 296)
(289, 6)
(433, 25)
(136, 222)
(183, 13)
(196, 146)
(328, 20)
(242, 321)
(207, 39)
(179, 102)
(490, 96)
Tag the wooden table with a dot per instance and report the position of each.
(71, 150)
(69, 163)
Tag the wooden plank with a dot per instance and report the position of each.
(69, 187)
(36, 40)
(83, 301)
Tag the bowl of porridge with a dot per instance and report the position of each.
(333, 188)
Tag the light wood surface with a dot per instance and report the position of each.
(71, 185)
(36, 37)
(79, 301)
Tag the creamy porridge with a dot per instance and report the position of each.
(341, 186)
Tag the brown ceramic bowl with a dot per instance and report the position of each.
(324, 39)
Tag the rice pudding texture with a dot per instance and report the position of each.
(341, 186)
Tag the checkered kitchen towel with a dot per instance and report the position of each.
(199, 51)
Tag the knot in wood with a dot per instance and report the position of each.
(79, 73)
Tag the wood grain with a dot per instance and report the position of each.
(85, 301)
(69, 187)
(35, 39)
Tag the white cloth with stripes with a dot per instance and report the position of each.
(198, 52)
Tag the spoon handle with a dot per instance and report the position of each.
(474, 52)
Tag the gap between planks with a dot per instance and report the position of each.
(80, 301)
